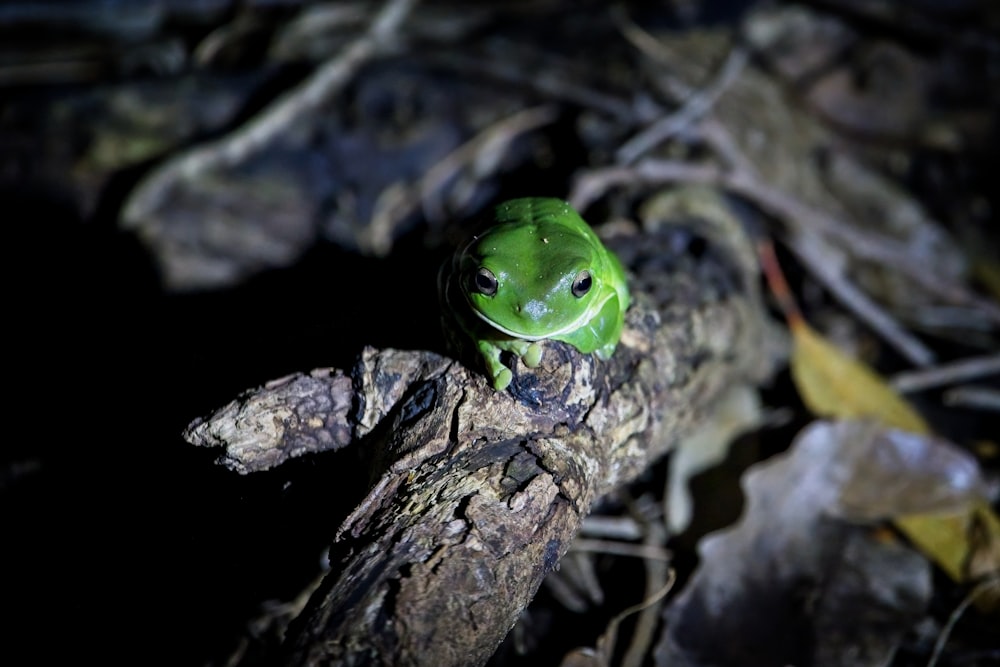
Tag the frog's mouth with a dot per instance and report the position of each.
(569, 327)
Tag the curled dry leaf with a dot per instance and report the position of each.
(938, 519)
(794, 567)
(833, 384)
(888, 473)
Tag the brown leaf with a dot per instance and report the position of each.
(788, 569)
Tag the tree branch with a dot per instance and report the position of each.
(479, 493)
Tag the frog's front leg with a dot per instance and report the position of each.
(530, 352)
(499, 373)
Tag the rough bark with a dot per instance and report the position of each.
(479, 493)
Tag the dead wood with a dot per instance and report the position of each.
(479, 493)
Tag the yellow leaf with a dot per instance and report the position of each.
(942, 537)
(833, 384)
(966, 546)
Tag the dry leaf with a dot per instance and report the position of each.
(901, 473)
(832, 384)
(944, 538)
(788, 569)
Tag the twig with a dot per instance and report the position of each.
(593, 184)
(274, 120)
(950, 373)
(657, 577)
(696, 106)
(484, 152)
(741, 178)
(676, 87)
(553, 83)
(721, 140)
(616, 548)
(490, 141)
(606, 643)
(641, 39)
(614, 527)
(807, 248)
(981, 398)
(942, 639)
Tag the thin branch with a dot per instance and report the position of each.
(606, 643)
(612, 527)
(696, 106)
(981, 588)
(492, 141)
(962, 370)
(979, 398)
(274, 120)
(554, 83)
(832, 275)
(658, 575)
(593, 184)
(483, 153)
(616, 548)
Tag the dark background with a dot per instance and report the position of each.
(119, 541)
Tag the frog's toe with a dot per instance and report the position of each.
(502, 379)
(532, 356)
(604, 352)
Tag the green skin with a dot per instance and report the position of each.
(539, 273)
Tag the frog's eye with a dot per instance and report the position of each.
(582, 283)
(486, 282)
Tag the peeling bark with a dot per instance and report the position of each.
(479, 493)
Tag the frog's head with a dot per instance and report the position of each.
(532, 277)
